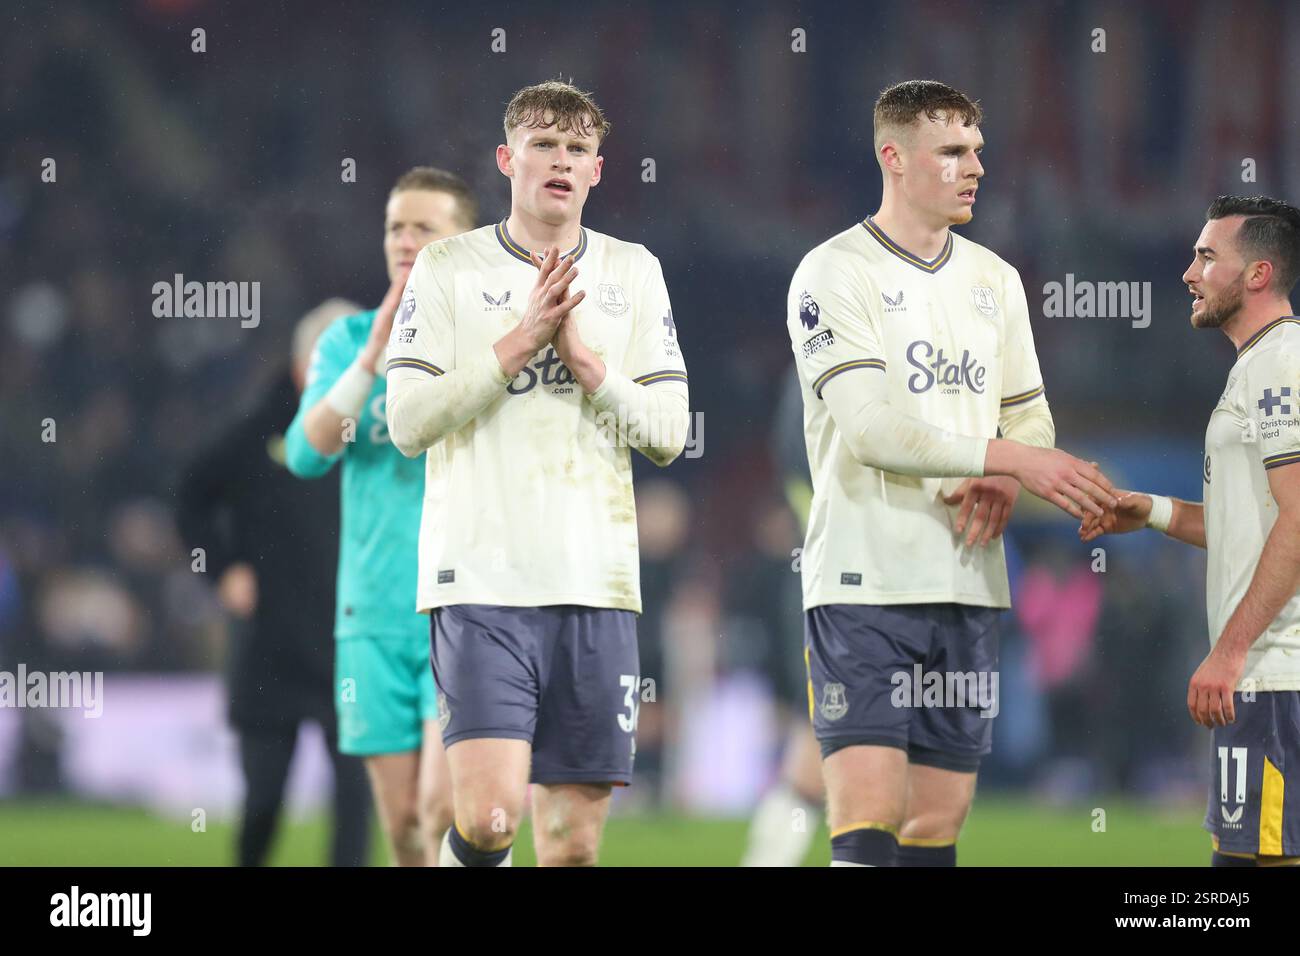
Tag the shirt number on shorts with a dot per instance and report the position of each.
(1239, 758)
(627, 722)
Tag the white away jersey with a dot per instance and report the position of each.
(952, 338)
(1254, 428)
(529, 504)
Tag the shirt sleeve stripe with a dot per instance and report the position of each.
(1286, 458)
(413, 363)
(830, 373)
(666, 375)
(1023, 397)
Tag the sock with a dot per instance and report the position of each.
(457, 851)
(1222, 859)
(782, 829)
(910, 854)
(864, 844)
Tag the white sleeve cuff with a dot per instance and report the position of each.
(347, 396)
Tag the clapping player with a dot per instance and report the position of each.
(385, 697)
(527, 359)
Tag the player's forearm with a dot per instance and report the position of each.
(1004, 457)
(1029, 425)
(323, 428)
(1187, 524)
(653, 419)
(325, 422)
(513, 350)
(301, 457)
(880, 436)
(587, 367)
(422, 409)
(1274, 584)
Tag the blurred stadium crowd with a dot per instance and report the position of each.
(225, 165)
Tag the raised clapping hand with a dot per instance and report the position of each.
(548, 304)
(550, 301)
(587, 368)
(383, 324)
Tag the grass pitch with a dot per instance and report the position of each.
(1001, 832)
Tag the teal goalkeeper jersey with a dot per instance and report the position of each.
(382, 496)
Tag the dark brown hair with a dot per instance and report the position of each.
(902, 104)
(1271, 232)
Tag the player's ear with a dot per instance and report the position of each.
(600, 164)
(505, 160)
(890, 158)
(1261, 275)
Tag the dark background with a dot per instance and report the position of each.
(225, 165)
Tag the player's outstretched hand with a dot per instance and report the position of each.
(1130, 514)
(1073, 485)
(550, 301)
(986, 505)
(1209, 693)
(383, 324)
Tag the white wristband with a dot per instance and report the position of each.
(1162, 511)
(348, 395)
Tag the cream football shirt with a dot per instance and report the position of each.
(1254, 428)
(951, 337)
(530, 503)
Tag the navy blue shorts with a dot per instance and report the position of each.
(565, 678)
(921, 677)
(1254, 804)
